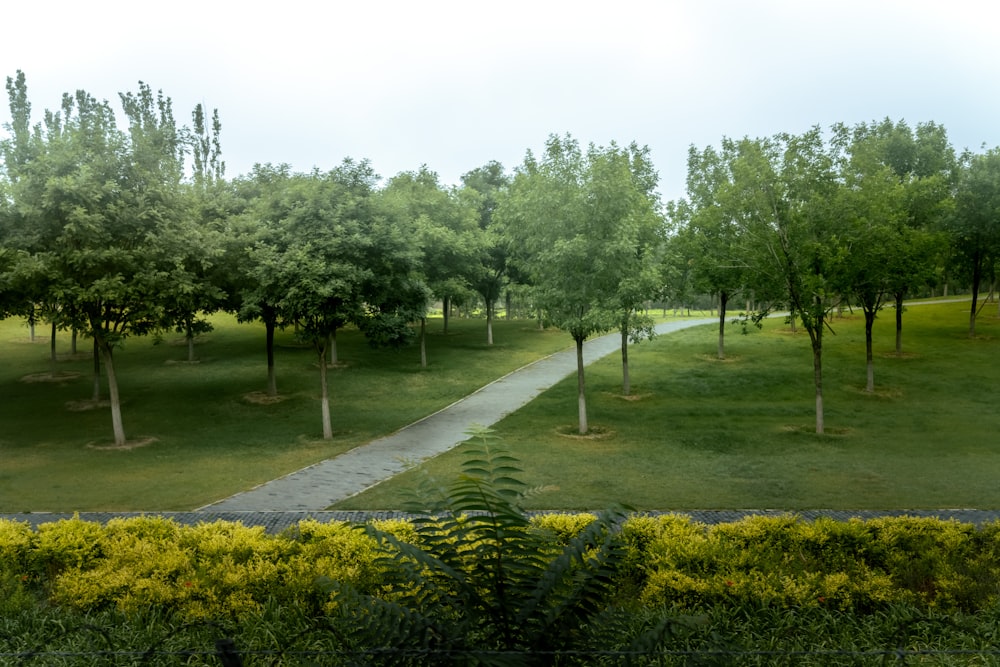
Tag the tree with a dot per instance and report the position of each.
(574, 218)
(975, 225)
(486, 185)
(325, 255)
(208, 202)
(326, 268)
(713, 230)
(924, 163)
(871, 202)
(108, 237)
(445, 230)
(624, 183)
(786, 187)
(254, 242)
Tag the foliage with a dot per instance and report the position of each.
(497, 587)
(484, 186)
(745, 425)
(972, 227)
(583, 226)
(856, 566)
(114, 251)
(481, 577)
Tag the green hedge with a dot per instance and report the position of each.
(227, 570)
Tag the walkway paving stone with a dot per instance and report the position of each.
(277, 522)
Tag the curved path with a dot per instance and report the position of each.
(322, 484)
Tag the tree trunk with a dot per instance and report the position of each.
(446, 311)
(489, 323)
(72, 342)
(975, 298)
(580, 388)
(869, 357)
(97, 372)
(626, 381)
(508, 311)
(723, 300)
(899, 323)
(190, 343)
(324, 391)
(817, 346)
(423, 342)
(272, 382)
(116, 405)
(52, 347)
(331, 344)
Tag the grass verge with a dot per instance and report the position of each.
(701, 434)
(204, 435)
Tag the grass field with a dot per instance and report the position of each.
(210, 441)
(698, 433)
(704, 434)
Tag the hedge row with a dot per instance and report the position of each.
(229, 570)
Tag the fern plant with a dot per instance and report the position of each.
(480, 584)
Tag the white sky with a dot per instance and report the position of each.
(454, 84)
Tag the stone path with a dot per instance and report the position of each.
(276, 522)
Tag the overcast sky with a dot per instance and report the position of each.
(455, 84)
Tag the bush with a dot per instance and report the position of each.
(785, 562)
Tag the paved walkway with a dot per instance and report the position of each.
(321, 485)
(276, 522)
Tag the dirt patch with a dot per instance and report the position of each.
(801, 428)
(27, 339)
(181, 362)
(61, 376)
(129, 445)
(880, 392)
(262, 398)
(904, 355)
(730, 359)
(75, 356)
(334, 366)
(572, 431)
(182, 342)
(630, 398)
(84, 406)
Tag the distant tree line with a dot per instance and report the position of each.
(112, 232)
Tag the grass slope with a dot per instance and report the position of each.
(210, 441)
(738, 434)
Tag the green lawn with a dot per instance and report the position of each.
(209, 441)
(738, 434)
(701, 434)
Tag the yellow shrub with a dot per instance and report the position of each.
(564, 527)
(17, 546)
(68, 543)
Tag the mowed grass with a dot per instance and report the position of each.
(210, 441)
(704, 434)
